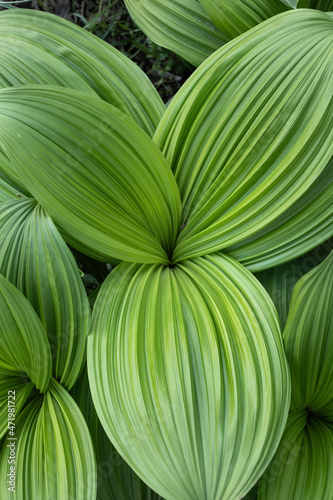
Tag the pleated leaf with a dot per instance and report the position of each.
(37, 47)
(234, 17)
(19, 390)
(250, 132)
(252, 494)
(8, 174)
(324, 5)
(309, 343)
(96, 173)
(24, 347)
(7, 192)
(290, 3)
(188, 375)
(303, 226)
(182, 26)
(54, 453)
(35, 258)
(279, 281)
(115, 479)
(302, 467)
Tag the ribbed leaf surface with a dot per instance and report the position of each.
(97, 174)
(25, 356)
(234, 17)
(188, 375)
(179, 25)
(251, 131)
(115, 479)
(306, 224)
(7, 192)
(309, 343)
(280, 281)
(24, 347)
(35, 258)
(54, 453)
(36, 47)
(302, 467)
(19, 390)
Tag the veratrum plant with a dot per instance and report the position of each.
(185, 359)
(196, 28)
(302, 467)
(54, 456)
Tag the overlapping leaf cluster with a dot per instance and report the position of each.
(187, 369)
(194, 29)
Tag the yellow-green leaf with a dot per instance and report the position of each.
(305, 225)
(24, 347)
(188, 375)
(35, 258)
(179, 25)
(302, 467)
(115, 479)
(309, 343)
(37, 47)
(94, 170)
(54, 456)
(234, 17)
(251, 131)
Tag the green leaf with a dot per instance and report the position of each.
(324, 5)
(290, 3)
(234, 17)
(188, 375)
(309, 343)
(306, 224)
(279, 281)
(54, 453)
(251, 131)
(35, 258)
(37, 47)
(19, 391)
(96, 173)
(24, 347)
(7, 192)
(302, 467)
(115, 479)
(182, 26)
(9, 175)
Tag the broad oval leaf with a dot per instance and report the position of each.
(35, 258)
(115, 479)
(54, 453)
(94, 170)
(309, 343)
(37, 47)
(24, 347)
(188, 375)
(179, 25)
(251, 130)
(303, 464)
